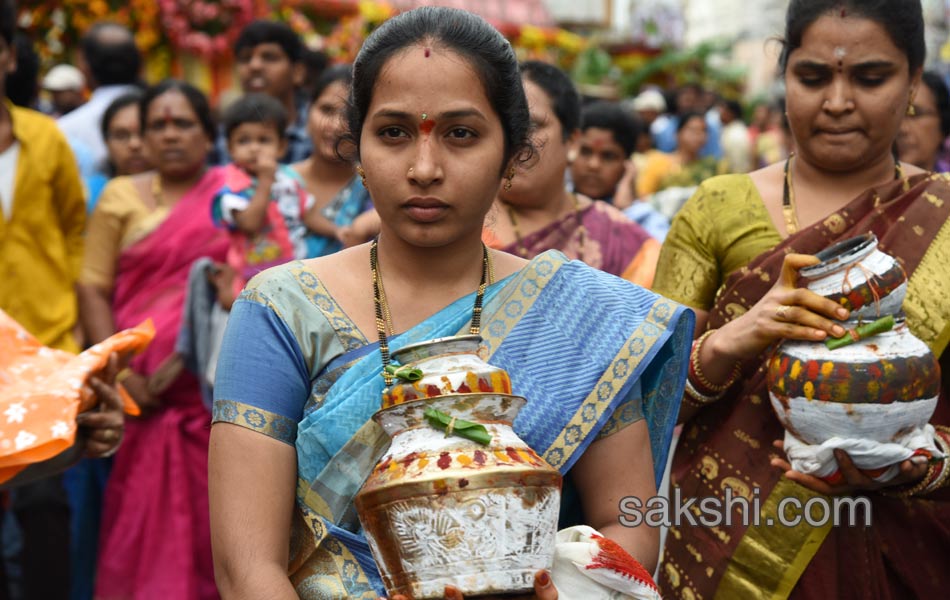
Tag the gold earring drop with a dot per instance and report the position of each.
(361, 173)
(508, 178)
(911, 109)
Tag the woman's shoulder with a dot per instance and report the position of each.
(120, 194)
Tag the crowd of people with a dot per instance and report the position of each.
(439, 168)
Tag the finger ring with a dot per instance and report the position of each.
(781, 311)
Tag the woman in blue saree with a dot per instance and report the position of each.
(438, 116)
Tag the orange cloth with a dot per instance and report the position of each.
(42, 390)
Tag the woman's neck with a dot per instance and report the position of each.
(325, 170)
(850, 184)
(174, 187)
(559, 202)
(433, 270)
(686, 157)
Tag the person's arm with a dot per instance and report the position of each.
(251, 485)
(70, 206)
(95, 312)
(252, 219)
(364, 228)
(315, 221)
(253, 468)
(614, 468)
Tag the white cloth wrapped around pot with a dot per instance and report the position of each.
(588, 566)
(868, 455)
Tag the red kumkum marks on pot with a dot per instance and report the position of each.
(445, 461)
(479, 457)
(513, 454)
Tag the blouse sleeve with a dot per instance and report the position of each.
(262, 380)
(104, 235)
(688, 271)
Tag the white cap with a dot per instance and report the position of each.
(650, 100)
(64, 77)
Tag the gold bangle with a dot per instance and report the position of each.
(944, 475)
(918, 487)
(698, 371)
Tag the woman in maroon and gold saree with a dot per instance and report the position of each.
(144, 235)
(733, 254)
(536, 213)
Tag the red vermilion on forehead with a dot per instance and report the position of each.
(167, 114)
(427, 126)
(597, 144)
(428, 52)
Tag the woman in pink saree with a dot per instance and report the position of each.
(143, 237)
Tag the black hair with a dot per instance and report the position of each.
(112, 60)
(938, 87)
(255, 108)
(342, 73)
(21, 85)
(263, 31)
(196, 99)
(610, 116)
(7, 22)
(467, 34)
(685, 118)
(560, 91)
(902, 19)
(128, 99)
(733, 106)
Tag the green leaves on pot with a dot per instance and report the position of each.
(405, 373)
(861, 333)
(452, 426)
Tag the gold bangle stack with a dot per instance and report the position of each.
(697, 371)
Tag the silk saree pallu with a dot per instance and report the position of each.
(575, 341)
(728, 445)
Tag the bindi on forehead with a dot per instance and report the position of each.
(427, 52)
(427, 124)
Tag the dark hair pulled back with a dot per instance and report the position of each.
(488, 52)
(902, 19)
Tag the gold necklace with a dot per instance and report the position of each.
(384, 319)
(581, 230)
(790, 211)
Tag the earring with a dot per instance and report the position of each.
(361, 173)
(911, 109)
(508, 178)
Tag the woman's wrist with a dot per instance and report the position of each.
(712, 370)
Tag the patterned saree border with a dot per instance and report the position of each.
(349, 335)
(256, 419)
(614, 378)
(330, 571)
(770, 559)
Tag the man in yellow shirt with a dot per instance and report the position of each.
(42, 216)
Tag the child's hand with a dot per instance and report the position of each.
(267, 164)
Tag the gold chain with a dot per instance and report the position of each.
(384, 320)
